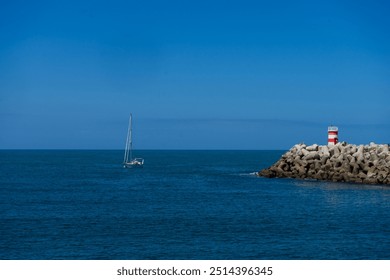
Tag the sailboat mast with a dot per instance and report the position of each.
(131, 138)
(128, 160)
(126, 157)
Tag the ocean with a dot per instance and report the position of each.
(82, 204)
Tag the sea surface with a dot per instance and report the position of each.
(82, 204)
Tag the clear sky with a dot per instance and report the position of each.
(195, 74)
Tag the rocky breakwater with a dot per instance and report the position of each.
(368, 164)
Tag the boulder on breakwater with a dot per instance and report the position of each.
(367, 164)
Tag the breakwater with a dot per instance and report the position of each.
(368, 164)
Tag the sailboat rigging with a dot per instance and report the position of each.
(128, 160)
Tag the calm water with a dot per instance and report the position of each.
(181, 205)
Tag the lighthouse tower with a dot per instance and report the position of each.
(333, 135)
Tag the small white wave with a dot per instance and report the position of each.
(252, 174)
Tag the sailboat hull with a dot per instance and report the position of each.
(137, 162)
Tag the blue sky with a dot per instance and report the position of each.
(195, 74)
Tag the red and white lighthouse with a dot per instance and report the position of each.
(333, 135)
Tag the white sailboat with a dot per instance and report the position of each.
(128, 160)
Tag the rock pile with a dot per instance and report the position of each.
(368, 164)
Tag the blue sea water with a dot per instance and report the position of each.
(63, 204)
